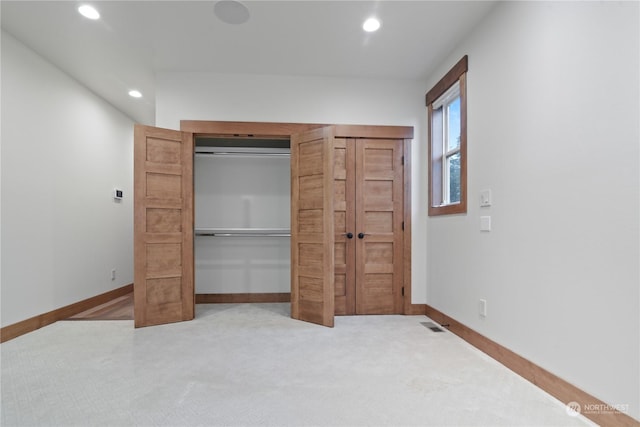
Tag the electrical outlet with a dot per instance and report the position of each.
(113, 274)
(483, 307)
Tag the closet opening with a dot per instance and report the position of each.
(242, 199)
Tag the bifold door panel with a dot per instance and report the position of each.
(312, 239)
(163, 226)
(345, 225)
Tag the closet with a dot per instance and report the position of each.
(368, 206)
(330, 221)
(242, 209)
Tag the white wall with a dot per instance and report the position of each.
(64, 150)
(208, 96)
(553, 131)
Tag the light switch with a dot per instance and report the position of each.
(485, 223)
(485, 198)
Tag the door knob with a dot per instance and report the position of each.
(361, 235)
(349, 235)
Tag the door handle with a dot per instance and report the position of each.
(349, 235)
(361, 235)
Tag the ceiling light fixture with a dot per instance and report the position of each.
(371, 25)
(135, 94)
(89, 12)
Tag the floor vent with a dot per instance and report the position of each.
(432, 326)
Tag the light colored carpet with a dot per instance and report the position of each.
(250, 364)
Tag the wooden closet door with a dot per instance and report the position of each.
(312, 226)
(163, 226)
(345, 225)
(379, 215)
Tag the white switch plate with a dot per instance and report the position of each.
(485, 198)
(485, 223)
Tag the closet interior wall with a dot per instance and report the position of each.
(242, 215)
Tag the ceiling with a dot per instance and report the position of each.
(135, 40)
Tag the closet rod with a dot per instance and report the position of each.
(243, 232)
(241, 153)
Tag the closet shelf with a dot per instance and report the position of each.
(243, 232)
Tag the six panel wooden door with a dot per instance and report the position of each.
(163, 226)
(312, 226)
(369, 210)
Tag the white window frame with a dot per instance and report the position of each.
(444, 101)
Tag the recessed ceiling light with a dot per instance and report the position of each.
(89, 12)
(231, 12)
(135, 94)
(370, 25)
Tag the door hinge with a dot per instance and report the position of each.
(403, 160)
(402, 225)
(403, 291)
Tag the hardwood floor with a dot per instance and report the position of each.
(118, 309)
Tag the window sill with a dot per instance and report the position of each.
(454, 208)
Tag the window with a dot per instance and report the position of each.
(447, 117)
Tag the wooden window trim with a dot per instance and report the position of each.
(456, 74)
(452, 76)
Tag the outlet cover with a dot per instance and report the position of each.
(483, 307)
(485, 223)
